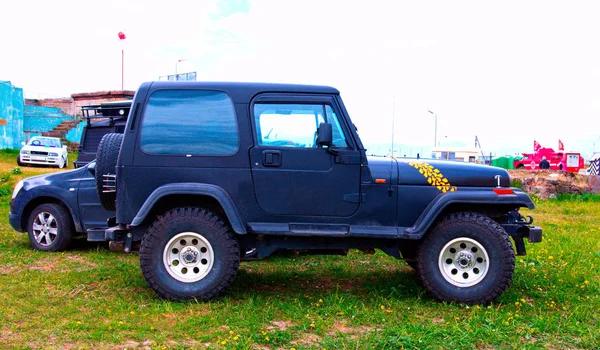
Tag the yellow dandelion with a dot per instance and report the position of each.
(312, 325)
(320, 300)
(230, 332)
(267, 338)
(132, 313)
(382, 307)
(224, 342)
(236, 337)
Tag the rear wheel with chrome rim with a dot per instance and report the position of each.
(188, 257)
(50, 227)
(466, 258)
(189, 253)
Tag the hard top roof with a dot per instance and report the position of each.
(241, 91)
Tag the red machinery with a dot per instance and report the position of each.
(561, 160)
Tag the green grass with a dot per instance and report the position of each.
(89, 297)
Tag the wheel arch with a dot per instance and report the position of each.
(207, 196)
(481, 201)
(46, 199)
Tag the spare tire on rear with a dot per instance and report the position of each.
(106, 161)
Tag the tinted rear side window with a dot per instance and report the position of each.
(196, 122)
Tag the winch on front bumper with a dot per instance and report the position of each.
(519, 227)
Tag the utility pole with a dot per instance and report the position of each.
(177, 63)
(121, 38)
(435, 129)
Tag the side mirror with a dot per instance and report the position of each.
(324, 135)
(22, 143)
(92, 168)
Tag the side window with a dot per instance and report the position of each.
(294, 125)
(181, 122)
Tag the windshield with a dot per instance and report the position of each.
(45, 142)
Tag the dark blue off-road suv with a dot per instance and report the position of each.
(207, 174)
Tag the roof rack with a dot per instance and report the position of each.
(107, 110)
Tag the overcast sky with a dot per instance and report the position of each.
(509, 72)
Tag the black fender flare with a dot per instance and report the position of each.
(481, 197)
(192, 188)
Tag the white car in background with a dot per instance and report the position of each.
(43, 151)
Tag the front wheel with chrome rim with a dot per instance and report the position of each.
(50, 227)
(189, 253)
(466, 258)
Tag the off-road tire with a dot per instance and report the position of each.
(489, 235)
(61, 221)
(210, 227)
(106, 161)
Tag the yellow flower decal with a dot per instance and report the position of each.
(433, 176)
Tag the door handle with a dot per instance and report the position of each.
(272, 158)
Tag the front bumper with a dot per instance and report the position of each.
(15, 221)
(41, 160)
(519, 232)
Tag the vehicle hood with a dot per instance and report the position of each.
(62, 179)
(406, 171)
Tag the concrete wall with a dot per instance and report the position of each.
(38, 119)
(22, 119)
(11, 115)
(72, 105)
(74, 135)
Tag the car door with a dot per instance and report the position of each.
(291, 175)
(92, 214)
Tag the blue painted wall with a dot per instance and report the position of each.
(42, 119)
(74, 135)
(11, 115)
